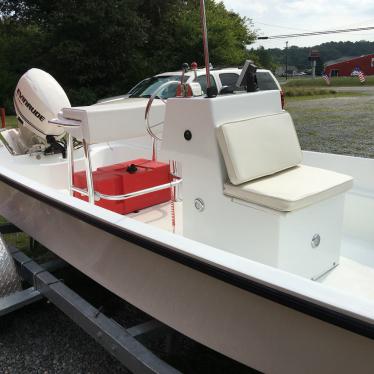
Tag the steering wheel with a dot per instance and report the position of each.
(150, 128)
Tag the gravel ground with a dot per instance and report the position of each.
(41, 339)
(343, 125)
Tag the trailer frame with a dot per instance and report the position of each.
(122, 343)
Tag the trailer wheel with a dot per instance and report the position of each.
(10, 281)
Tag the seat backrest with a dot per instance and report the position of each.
(258, 147)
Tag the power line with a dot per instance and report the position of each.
(286, 36)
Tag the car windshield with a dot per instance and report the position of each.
(138, 85)
(149, 86)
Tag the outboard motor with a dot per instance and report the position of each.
(37, 99)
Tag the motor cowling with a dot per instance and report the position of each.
(38, 98)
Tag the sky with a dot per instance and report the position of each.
(278, 17)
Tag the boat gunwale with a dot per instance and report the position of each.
(308, 307)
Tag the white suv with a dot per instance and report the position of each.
(223, 79)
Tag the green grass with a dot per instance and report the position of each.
(11, 121)
(19, 240)
(323, 96)
(308, 91)
(335, 82)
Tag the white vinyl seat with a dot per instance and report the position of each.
(258, 147)
(291, 189)
(263, 161)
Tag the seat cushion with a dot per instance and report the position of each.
(259, 146)
(292, 189)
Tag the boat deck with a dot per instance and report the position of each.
(160, 216)
(351, 275)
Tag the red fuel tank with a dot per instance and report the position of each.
(128, 177)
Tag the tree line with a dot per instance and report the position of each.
(298, 56)
(98, 48)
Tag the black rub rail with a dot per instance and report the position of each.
(321, 312)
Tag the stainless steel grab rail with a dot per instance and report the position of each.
(90, 191)
(130, 195)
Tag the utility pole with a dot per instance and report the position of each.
(314, 65)
(314, 56)
(286, 59)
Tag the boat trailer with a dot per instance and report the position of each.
(122, 343)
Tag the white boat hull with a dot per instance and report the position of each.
(251, 329)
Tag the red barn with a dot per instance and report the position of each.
(345, 67)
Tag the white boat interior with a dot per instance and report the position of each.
(244, 198)
(272, 220)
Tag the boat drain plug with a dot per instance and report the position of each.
(200, 205)
(188, 135)
(316, 241)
